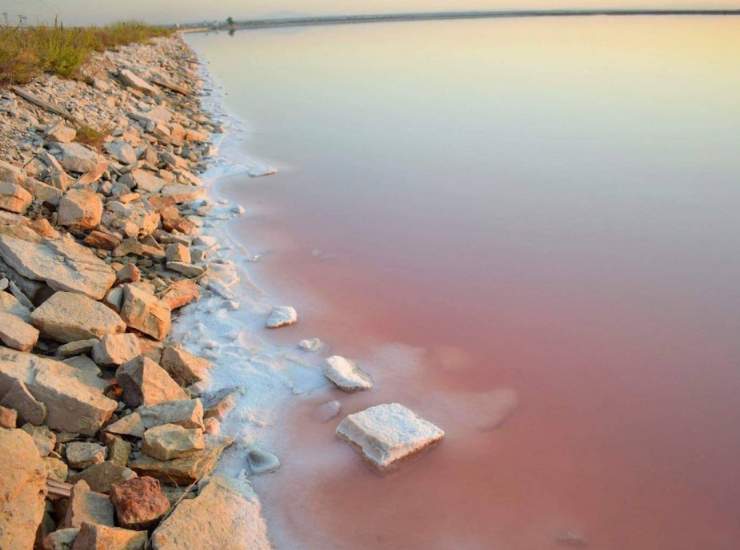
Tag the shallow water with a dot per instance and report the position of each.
(527, 232)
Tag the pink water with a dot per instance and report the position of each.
(478, 212)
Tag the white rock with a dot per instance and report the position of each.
(281, 316)
(346, 375)
(310, 344)
(388, 433)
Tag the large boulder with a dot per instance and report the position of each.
(14, 198)
(22, 490)
(139, 502)
(69, 316)
(61, 263)
(80, 208)
(238, 525)
(146, 383)
(77, 158)
(72, 405)
(145, 312)
(388, 433)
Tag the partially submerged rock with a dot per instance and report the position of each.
(346, 375)
(69, 316)
(281, 316)
(261, 461)
(388, 433)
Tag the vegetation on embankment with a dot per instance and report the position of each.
(26, 52)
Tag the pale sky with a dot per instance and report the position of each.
(175, 11)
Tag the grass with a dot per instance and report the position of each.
(27, 52)
(92, 137)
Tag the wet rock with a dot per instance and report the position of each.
(82, 454)
(116, 349)
(145, 312)
(139, 502)
(184, 367)
(16, 333)
(56, 469)
(121, 151)
(281, 316)
(131, 80)
(69, 316)
(61, 539)
(185, 470)
(86, 505)
(239, 525)
(310, 344)
(327, 411)
(187, 413)
(60, 133)
(101, 477)
(261, 461)
(19, 398)
(172, 441)
(22, 489)
(146, 383)
(14, 198)
(93, 536)
(80, 208)
(61, 263)
(346, 375)
(8, 417)
(77, 157)
(43, 438)
(388, 433)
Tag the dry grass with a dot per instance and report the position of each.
(26, 52)
(92, 137)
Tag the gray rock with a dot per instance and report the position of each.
(77, 157)
(88, 506)
(170, 441)
(121, 151)
(261, 461)
(81, 454)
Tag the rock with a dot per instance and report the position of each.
(14, 198)
(78, 347)
(102, 240)
(262, 462)
(327, 411)
(217, 404)
(19, 398)
(346, 375)
(178, 253)
(212, 426)
(86, 505)
(72, 405)
(143, 180)
(61, 133)
(281, 316)
(61, 539)
(68, 316)
(193, 135)
(239, 524)
(172, 441)
(81, 454)
(40, 191)
(88, 372)
(93, 536)
(56, 469)
(91, 176)
(77, 158)
(146, 383)
(130, 425)
(187, 413)
(116, 349)
(172, 220)
(43, 438)
(131, 80)
(388, 433)
(139, 502)
(128, 274)
(189, 270)
(119, 450)
(16, 333)
(180, 294)
(10, 304)
(185, 470)
(145, 312)
(22, 490)
(184, 367)
(101, 477)
(181, 193)
(8, 417)
(80, 208)
(61, 263)
(44, 228)
(310, 344)
(121, 151)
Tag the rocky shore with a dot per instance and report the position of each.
(109, 434)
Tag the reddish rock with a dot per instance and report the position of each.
(181, 293)
(139, 502)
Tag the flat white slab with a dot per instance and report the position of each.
(346, 375)
(388, 433)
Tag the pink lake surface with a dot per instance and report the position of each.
(527, 232)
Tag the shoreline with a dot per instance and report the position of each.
(120, 367)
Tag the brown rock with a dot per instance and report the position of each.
(8, 417)
(56, 469)
(14, 198)
(180, 294)
(181, 193)
(78, 347)
(61, 133)
(77, 157)
(128, 274)
(145, 312)
(101, 239)
(94, 174)
(217, 404)
(43, 438)
(116, 349)
(184, 367)
(130, 425)
(80, 208)
(146, 383)
(10, 304)
(22, 490)
(86, 505)
(172, 441)
(172, 220)
(99, 537)
(139, 502)
(101, 477)
(178, 253)
(68, 316)
(44, 228)
(16, 333)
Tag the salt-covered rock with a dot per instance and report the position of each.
(22, 489)
(14, 198)
(80, 208)
(327, 411)
(81, 454)
(172, 441)
(346, 375)
(281, 316)
(116, 349)
(16, 333)
(139, 502)
(69, 316)
(146, 383)
(388, 433)
(239, 524)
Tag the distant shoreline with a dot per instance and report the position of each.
(452, 15)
